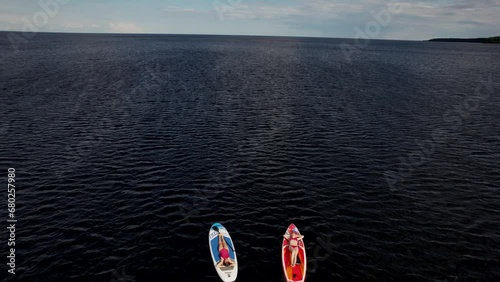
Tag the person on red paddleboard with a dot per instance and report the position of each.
(225, 260)
(293, 246)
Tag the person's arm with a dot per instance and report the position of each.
(220, 263)
(286, 236)
(300, 237)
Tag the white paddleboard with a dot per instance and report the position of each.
(226, 273)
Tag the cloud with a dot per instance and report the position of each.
(78, 26)
(74, 25)
(315, 9)
(262, 12)
(417, 20)
(338, 18)
(177, 9)
(124, 27)
(336, 7)
(333, 18)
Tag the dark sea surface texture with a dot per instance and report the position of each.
(128, 147)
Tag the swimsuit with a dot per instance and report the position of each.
(294, 239)
(224, 253)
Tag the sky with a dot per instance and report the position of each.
(381, 19)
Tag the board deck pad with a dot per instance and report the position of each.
(296, 273)
(227, 274)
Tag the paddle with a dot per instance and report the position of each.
(216, 229)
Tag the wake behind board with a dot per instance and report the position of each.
(226, 273)
(298, 272)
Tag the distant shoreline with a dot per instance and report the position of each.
(487, 40)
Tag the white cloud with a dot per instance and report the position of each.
(74, 25)
(124, 27)
(177, 9)
(79, 25)
(261, 12)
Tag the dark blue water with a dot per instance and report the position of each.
(127, 148)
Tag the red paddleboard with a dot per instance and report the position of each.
(297, 272)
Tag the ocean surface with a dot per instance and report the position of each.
(128, 147)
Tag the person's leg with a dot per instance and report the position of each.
(295, 252)
(224, 244)
(221, 241)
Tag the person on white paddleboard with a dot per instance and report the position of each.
(293, 246)
(225, 260)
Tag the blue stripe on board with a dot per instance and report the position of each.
(215, 249)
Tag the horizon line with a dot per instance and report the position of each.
(207, 34)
